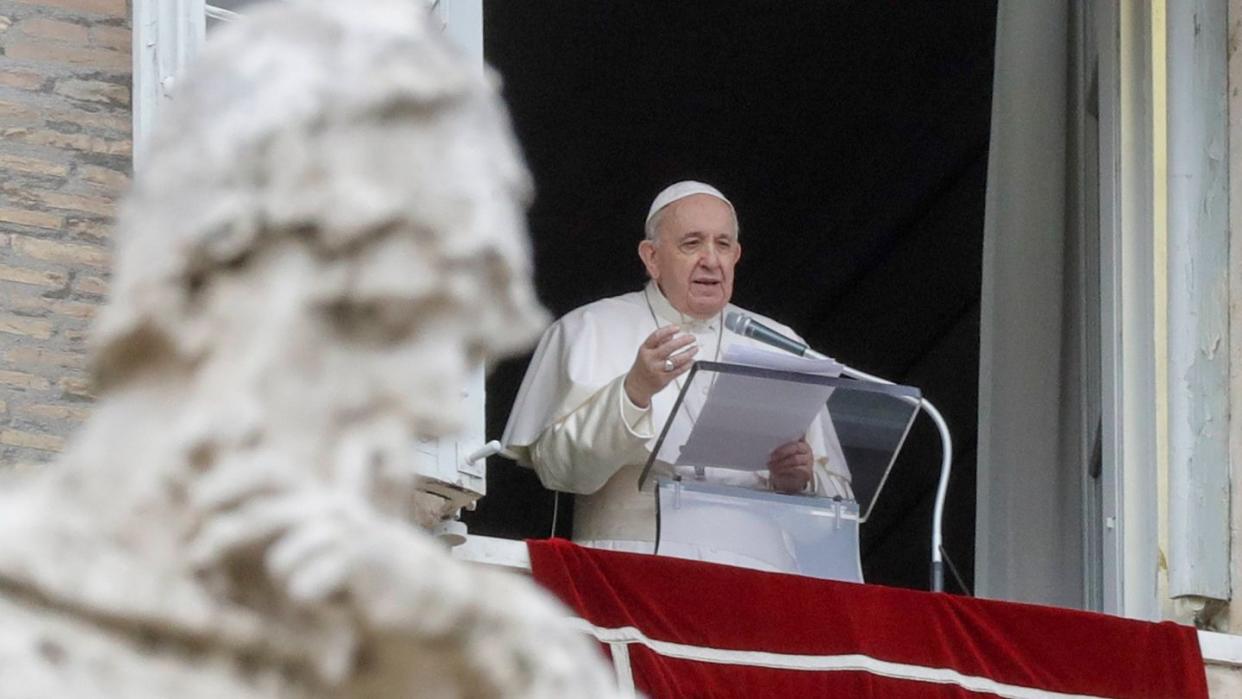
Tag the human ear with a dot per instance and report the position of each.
(646, 253)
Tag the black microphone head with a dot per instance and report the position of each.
(736, 321)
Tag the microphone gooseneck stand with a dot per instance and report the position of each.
(946, 467)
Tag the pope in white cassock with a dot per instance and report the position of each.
(604, 379)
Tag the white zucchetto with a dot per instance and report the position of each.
(681, 190)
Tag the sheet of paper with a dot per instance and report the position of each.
(744, 418)
(783, 361)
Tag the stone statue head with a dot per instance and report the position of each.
(326, 238)
(327, 235)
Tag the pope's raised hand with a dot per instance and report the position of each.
(661, 358)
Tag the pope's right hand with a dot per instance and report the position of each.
(655, 366)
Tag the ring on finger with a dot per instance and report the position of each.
(668, 364)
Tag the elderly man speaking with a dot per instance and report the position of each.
(605, 377)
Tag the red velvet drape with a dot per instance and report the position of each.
(856, 640)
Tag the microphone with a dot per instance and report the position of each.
(743, 324)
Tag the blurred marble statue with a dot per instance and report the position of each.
(327, 237)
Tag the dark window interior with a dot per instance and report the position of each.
(852, 138)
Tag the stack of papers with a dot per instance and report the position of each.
(744, 418)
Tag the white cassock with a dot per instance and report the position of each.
(574, 424)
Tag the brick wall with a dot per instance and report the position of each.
(64, 160)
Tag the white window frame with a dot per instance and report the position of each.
(1130, 477)
(167, 35)
(1142, 506)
